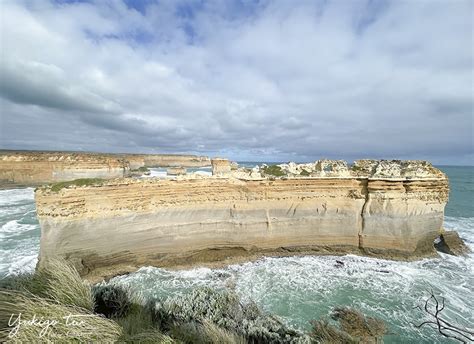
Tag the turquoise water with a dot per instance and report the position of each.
(461, 195)
(299, 289)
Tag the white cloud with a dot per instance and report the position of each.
(267, 81)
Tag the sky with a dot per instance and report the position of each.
(245, 79)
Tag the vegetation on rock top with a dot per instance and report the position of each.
(77, 182)
(141, 169)
(273, 170)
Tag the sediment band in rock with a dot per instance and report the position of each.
(122, 224)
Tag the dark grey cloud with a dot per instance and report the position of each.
(269, 80)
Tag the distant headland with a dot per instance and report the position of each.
(111, 221)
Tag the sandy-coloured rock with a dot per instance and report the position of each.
(25, 168)
(220, 167)
(33, 168)
(122, 224)
(450, 242)
(175, 171)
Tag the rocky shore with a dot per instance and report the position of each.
(392, 209)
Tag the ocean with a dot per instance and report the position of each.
(299, 289)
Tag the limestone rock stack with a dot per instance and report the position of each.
(33, 168)
(220, 167)
(388, 208)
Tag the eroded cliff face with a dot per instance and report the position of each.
(34, 168)
(122, 224)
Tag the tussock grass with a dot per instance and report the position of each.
(354, 327)
(61, 282)
(87, 327)
(55, 280)
(358, 325)
(325, 333)
(217, 334)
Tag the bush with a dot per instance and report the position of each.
(273, 170)
(111, 301)
(140, 169)
(305, 173)
(354, 327)
(223, 308)
(77, 182)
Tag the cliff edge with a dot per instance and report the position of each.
(392, 209)
(32, 168)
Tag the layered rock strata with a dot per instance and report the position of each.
(175, 171)
(25, 168)
(394, 211)
(220, 167)
(34, 168)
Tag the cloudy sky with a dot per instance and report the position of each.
(251, 80)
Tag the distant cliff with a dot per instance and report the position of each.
(34, 168)
(25, 168)
(166, 160)
(391, 209)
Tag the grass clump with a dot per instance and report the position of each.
(273, 170)
(56, 297)
(77, 182)
(353, 328)
(55, 280)
(60, 323)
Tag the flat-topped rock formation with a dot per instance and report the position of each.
(34, 168)
(25, 168)
(392, 209)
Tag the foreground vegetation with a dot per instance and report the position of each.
(55, 305)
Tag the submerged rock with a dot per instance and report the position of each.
(451, 243)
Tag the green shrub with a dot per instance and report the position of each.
(305, 173)
(110, 300)
(16, 282)
(223, 309)
(141, 169)
(77, 182)
(273, 170)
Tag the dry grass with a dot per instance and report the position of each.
(325, 333)
(61, 282)
(358, 325)
(354, 327)
(81, 326)
(216, 334)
